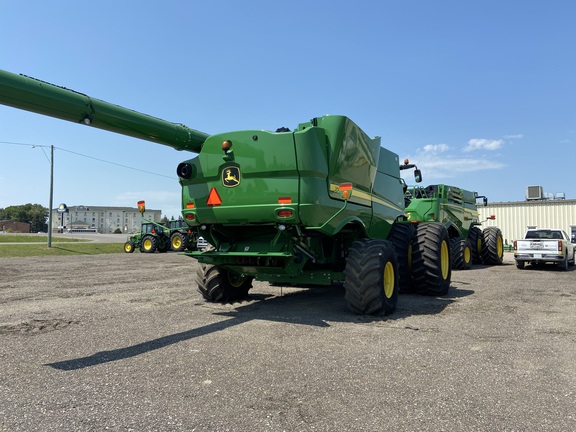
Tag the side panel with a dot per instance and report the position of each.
(387, 194)
(326, 158)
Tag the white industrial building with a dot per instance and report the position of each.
(540, 210)
(104, 220)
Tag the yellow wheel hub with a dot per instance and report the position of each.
(389, 281)
(467, 255)
(444, 260)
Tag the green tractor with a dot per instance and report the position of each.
(456, 209)
(151, 238)
(319, 205)
(181, 236)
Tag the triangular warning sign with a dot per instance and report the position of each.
(213, 198)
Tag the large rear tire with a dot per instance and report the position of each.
(178, 242)
(401, 236)
(475, 238)
(371, 280)
(492, 246)
(461, 253)
(431, 267)
(149, 244)
(221, 286)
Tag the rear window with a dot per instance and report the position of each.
(544, 234)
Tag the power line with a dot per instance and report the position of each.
(114, 163)
(86, 156)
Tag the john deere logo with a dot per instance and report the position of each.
(231, 176)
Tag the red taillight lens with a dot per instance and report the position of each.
(190, 217)
(285, 213)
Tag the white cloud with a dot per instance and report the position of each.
(436, 167)
(436, 148)
(483, 144)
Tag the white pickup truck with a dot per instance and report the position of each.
(544, 245)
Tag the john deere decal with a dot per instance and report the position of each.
(231, 176)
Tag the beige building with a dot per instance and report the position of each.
(514, 217)
(104, 220)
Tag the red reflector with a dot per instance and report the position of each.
(560, 249)
(190, 205)
(190, 217)
(285, 213)
(284, 200)
(345, 186)
(213, 198)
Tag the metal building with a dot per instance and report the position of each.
(514, 217)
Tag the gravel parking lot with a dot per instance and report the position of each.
(124, 342)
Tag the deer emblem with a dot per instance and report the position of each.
(231, 177)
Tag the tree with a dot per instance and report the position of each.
(34, 214)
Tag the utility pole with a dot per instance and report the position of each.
(51, 196)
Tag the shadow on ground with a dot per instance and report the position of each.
(312, 307)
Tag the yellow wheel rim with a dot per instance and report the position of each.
(389, 280)
(127, 247)
(147, 244)
(467, 255)
(500, 247)
(176, 242)
(444, 260)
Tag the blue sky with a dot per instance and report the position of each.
(479, 94)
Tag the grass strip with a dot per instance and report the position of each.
(18, 238)
(29, 250)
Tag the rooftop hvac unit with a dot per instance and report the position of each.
(534, 193)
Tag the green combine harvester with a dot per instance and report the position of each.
(456, 209)
(321, 204)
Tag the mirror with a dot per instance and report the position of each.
(418, 176)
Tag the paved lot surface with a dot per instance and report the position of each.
(124, 342)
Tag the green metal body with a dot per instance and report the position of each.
(273, 204)
(454, 207)
(31, 94)
(282, 216)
